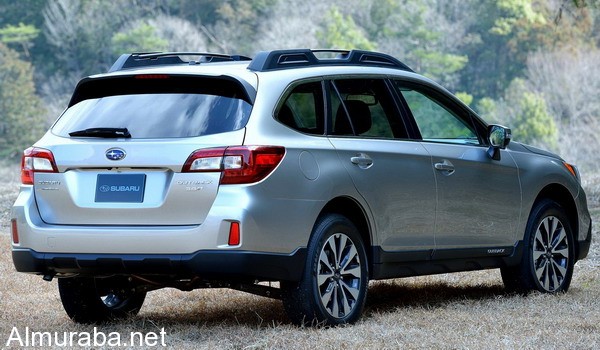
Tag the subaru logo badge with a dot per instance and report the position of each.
(115, 154)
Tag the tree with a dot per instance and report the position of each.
(508, 31)
(28, 12)
(21, 112)
(404, 30)
(81, 32)
(21, 34)
(284, 24)
(569, 80)
(180, 34)
(341, 32)
(532, 122)
(139, 38)
(525, 112)
(160, 33)
(80, 38)
(237, 25)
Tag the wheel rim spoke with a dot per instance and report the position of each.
(352, 290)
(559, 268)
(554, 222)
(564, 252)
(547, 277)
(340, 249)
(345, 302)
(324, 278)
(348, 258)
(539, 272)
(336, 307)
(324, 262)
(327, 295)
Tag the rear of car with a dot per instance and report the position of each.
(127, 181)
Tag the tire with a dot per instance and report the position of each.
(333, 288)
(549, 255)
(95, 300)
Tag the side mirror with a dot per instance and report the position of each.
(499, 138)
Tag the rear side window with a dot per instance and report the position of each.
(364, 107)
(303, 109)
(157, 106)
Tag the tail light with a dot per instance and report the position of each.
(238, 164)
(36, 160)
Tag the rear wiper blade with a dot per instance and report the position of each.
(102, 132)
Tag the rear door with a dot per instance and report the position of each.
(393, 174)
(479, 199)
(111, 177)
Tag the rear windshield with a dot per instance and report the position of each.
(157, 106)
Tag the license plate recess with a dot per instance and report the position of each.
(120, 188)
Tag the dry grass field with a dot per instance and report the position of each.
(455, 311)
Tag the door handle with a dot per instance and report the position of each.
(444, 166)
(362, 160)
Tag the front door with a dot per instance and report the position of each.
(478, 198)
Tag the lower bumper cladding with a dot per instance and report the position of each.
(230, 265)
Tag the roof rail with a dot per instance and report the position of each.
(169, 58)
(293, 58)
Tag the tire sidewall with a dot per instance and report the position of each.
(83, 302)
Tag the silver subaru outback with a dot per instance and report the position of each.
(318, 170)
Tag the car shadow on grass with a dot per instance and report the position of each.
(253, 311)
(385, 296)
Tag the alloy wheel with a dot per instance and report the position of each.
(550, 254)
(339, 275)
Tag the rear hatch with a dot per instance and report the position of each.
(120, 147)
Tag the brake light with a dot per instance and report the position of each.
(151, 76)
(238, 164)
(36, 160)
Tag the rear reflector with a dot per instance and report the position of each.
(14, 232)
(238, 164)
(234, 233)
(36, 160)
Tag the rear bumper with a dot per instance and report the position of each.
(219, 265)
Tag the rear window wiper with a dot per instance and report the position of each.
(102, 132)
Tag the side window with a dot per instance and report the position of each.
(303, 109)
(437, 122)
(364, 107)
